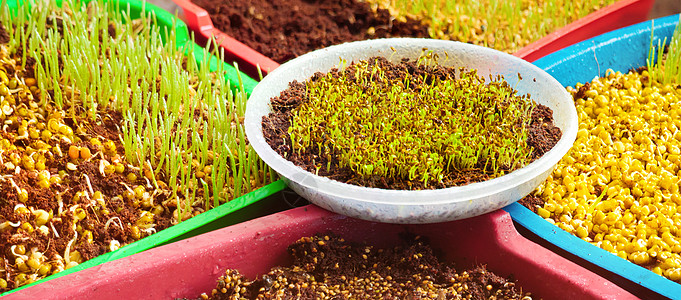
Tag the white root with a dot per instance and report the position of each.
(111, 220)
(127, 187)
(56, 234)
(24, 257)
(67, 252)
(61, 206)
(146, 197)
(92, 208)
(58, 150)
(14, 184)
(149, 231)
(18, 206)
(89, 186)
(149, 186)
(101, 167)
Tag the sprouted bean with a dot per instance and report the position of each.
(618, 187)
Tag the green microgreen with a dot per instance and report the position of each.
(423, 126)
(664, 66)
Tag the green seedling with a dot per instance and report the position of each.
(109, 128)
(664, 66)
(416, 126)
(503, 25)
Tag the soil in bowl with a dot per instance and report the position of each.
(92, 153)
(284, 29)
(328, 267)
(408, 125)
(618, 187)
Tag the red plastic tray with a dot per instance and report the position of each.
(189, 267)
(248, 60)
(620, 14)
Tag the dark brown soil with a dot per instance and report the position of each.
(284, 29)
(330, 266)
(543, 135)
(4, 36)
(532, 202)
(582, 90)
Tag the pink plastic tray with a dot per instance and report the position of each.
(620, 14)
(189, 267)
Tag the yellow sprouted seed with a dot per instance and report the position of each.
(624, 171)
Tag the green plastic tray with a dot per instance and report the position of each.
(226, 214)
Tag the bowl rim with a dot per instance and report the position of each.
(469, 192)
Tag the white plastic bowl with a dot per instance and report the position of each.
(424, 206)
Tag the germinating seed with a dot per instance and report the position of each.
(334, 270)
(618, 187)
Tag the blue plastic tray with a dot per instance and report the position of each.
(620, 50)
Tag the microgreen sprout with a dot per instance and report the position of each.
(664, 66)
(380, 119)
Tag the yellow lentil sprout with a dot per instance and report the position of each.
(617, 188)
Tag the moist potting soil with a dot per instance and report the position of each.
(542, 134)
(327, 266)
(285, 29)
